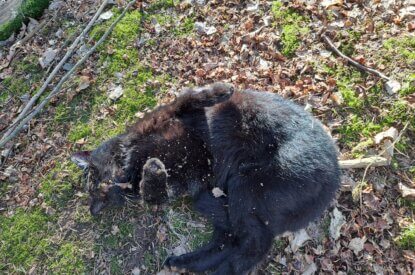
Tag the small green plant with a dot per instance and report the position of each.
(292, 26)
(407, 238)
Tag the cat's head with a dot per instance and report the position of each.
(104, 176)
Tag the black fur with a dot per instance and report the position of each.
(276, 165)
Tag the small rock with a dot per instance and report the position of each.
(106, 15)
(47, 57)
(67, 66)
(392, 86)
(115, 93)
(136, 271)
(357, 245)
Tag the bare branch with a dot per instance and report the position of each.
(68, 54)
(351, 61)
(363, 162)
(57, 88)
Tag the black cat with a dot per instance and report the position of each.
(275, 163)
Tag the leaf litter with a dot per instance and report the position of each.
(240, 43)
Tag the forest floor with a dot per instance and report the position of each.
(275, 46)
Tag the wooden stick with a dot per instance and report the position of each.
(68, 54)
(351, 61)
(364, 162)
(56, 90)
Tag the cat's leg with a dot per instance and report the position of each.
(218, 249)
(205, 96)
(204, 258)
(153, 184)
(250, 222)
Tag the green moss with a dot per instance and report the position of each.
(23, 239)
(161, 4)
(79, 131)
(408, 86)
(29, 8)
(406, 240)
(357, 127)
(68, 259)
(349, 42)
(185, 28)
(403, 47)
(292, 26)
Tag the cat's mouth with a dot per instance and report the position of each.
(110, 194)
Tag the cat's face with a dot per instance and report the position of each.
(104, 179)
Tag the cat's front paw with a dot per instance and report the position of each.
(154, 166)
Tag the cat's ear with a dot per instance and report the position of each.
(82, 159)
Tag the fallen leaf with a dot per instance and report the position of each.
(84, 82)
(300, 237)
(336, 223)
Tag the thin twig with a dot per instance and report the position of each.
(68, 54)
(351, 61)
(56, 90)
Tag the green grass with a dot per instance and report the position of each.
(292, 27)
(59, 184)
(29, 8)
(68, 259)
